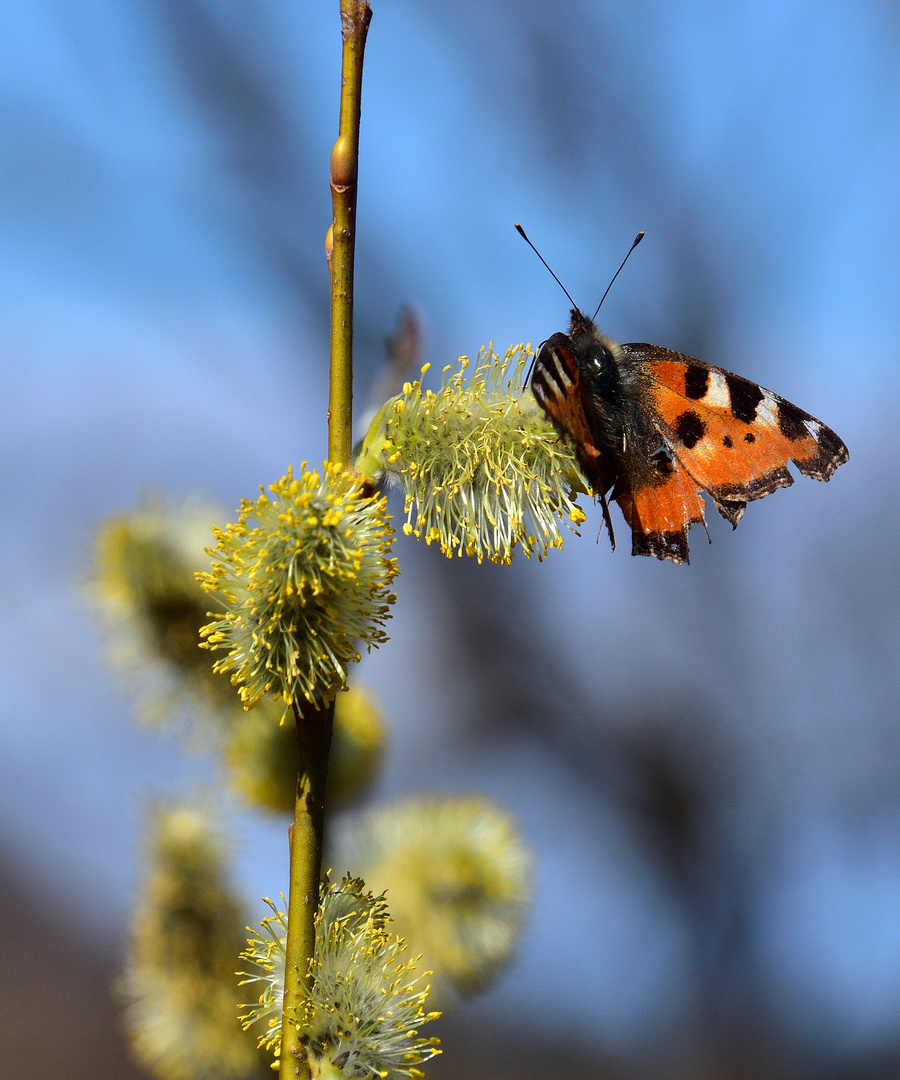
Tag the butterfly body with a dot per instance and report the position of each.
(653, 429)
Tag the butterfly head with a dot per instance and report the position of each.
(590, 343)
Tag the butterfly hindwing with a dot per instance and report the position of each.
(660, 512)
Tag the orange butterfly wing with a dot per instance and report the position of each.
(660, 511)
(727, 436)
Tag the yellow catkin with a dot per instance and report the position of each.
(303, 577)
(368, 1001)
(483, 469)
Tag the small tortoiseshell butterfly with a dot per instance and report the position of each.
(655, 428)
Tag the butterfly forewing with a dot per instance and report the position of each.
(559, 387)
(734, 438)
(560, 391)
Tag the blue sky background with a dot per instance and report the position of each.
(163, 326)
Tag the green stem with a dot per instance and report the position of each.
(314, 726)
(355, 16)
(314, 729)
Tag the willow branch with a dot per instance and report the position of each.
(315, 726)
(355, 16)
(314, 730)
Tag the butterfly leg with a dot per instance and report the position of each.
(607, 518)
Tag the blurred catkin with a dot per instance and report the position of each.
(261, 754)
(180, 983)
(458, 878)
(143, 587)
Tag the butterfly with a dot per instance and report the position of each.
(653, 429)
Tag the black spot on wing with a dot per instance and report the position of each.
(696, 382)
(744, 396)
(792, 421)
(749, 437)
(690, 429)
(728, 442)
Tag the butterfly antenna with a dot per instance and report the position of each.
(521, 233)
(637, 240)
